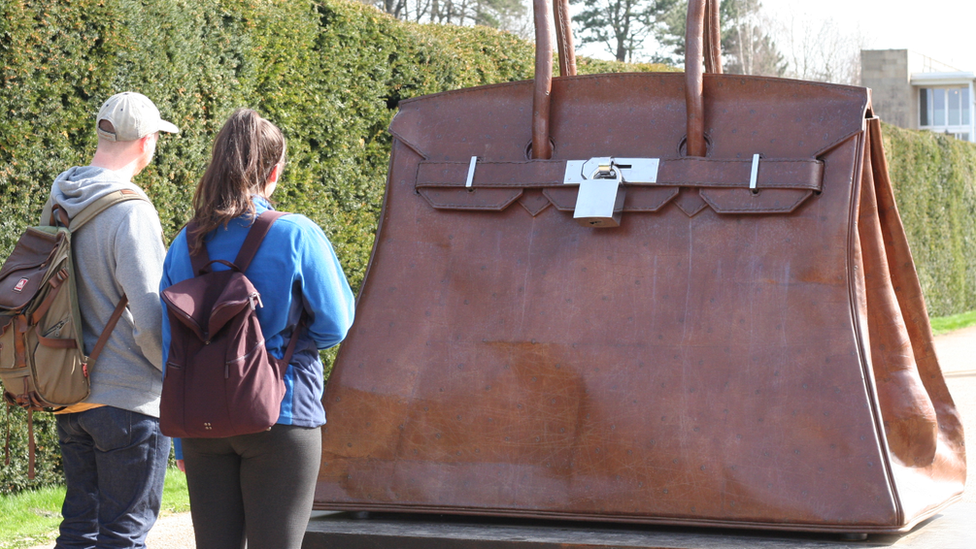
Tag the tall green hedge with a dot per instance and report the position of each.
(934, 178)
(329, 73)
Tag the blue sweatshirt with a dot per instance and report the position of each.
(294, 267)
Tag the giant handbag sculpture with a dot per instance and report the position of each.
(662, 298)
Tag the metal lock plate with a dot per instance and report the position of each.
(599, 180)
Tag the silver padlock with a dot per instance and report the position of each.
(600, 201)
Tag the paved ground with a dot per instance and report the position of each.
(957, 355)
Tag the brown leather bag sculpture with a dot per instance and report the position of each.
(662, 298)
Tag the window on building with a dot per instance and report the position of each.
(924, 100)
(944, 107)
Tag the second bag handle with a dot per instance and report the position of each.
(702, 54)
(702, 39)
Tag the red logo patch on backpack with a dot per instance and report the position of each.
(20, 285)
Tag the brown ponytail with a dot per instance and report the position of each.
(245, 152)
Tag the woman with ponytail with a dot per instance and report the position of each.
(258, 488)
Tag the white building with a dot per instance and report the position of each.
(916, 92)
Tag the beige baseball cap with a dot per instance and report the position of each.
(133, 115)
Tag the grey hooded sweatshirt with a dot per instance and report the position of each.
(118, 252)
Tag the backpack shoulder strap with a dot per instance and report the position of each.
(200, 260)
(109, 327)
(259, 229)
(47, 217)
(293, 341)
(99, 206)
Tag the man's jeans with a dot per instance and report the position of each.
(114, 465)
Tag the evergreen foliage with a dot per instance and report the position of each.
(934, 179)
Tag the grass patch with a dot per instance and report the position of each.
(32, 518)
(945, 324)
(176, 499)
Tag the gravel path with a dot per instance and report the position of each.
(172, 532)
(956, 355)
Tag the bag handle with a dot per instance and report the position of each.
(541, 98)
(701, 38)
(542, 87)
(564, 38)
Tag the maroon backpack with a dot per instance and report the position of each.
(220, 379)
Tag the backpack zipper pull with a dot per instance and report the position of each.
(256, 301)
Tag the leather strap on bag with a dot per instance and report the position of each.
(293, 341)
(52, 213)
(247, 252)
(109, 326)
(702, 54)
(702, 31)
(713, 38)
(254, 238)
(541, 98)
(777, 173)
(564, 38)
(56, 283)
(543, 82)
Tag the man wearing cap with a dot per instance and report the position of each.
(113, 452)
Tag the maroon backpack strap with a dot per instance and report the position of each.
(259, 229)
(290, 350)
(198, 261)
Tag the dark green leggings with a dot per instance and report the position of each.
(255, 488)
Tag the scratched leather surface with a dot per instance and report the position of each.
(696, 365)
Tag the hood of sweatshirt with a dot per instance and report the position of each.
(81, 185)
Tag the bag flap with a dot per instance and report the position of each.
(205, 303)
(25, 271)
(236, 296)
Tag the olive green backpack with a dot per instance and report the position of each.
(43, 365)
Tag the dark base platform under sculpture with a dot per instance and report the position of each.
(952, 529)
